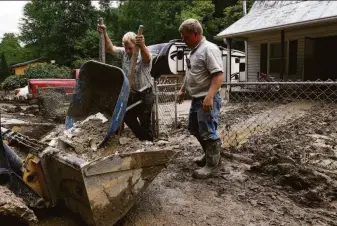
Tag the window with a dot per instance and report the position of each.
(242, 67)
(275, 58)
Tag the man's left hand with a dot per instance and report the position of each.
(140, 40)
(207, 104)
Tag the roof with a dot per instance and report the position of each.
(269, 15)
(25, 63)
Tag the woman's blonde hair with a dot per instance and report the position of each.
(129, 37)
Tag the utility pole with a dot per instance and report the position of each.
(244, 4)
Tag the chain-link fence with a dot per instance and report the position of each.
(166, 114)
(286, 131)
(283, 116)
(54, 101)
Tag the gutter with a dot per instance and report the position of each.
(310, 22)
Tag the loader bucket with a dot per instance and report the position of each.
(104, 190)
(99, 88)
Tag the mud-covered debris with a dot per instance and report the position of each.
(13, 210)
(124, 140)
(31, 110)
(253, 202)
(16, 109)
(300, 156)
(85, 136)
(162, 142)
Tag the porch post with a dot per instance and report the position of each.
(282, 56)
(229, 62)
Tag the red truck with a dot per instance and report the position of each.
(35, 84)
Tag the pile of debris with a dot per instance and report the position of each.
(13, 210)
(85, 137)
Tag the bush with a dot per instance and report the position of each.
(45, 70)
(78, 63)
(14, 81)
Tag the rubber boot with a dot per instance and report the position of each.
(213, 148)
(201, 160)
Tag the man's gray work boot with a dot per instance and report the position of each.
(213, 148)
(201, 160)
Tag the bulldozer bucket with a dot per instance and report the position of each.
(104, 190)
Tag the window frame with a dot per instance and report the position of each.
(286, 57)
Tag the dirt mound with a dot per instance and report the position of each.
(300, 157)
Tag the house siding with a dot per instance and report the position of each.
(254, 42)
(20, 70)
(253, 60)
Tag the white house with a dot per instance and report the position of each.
(290, 40)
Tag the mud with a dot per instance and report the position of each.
(84, 138)
(290, 181)
(301, 157)
(281, 176)
(238, 112)
(13, 210)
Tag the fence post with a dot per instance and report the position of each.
(175, 103)
(156, 105)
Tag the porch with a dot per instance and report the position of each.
(302, 54)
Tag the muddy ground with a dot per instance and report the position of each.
(287, 180)
(283, 176)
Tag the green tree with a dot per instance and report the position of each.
(4, 70)
(160, 19)
(231, 15)
(11, 48)
(204, 12)
(56, 26)
(235, 12)
(31, 51)
(220, 5)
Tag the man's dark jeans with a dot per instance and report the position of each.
(138, 119)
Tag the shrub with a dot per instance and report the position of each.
(45, 70)
(14, 81)
(78, 63)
